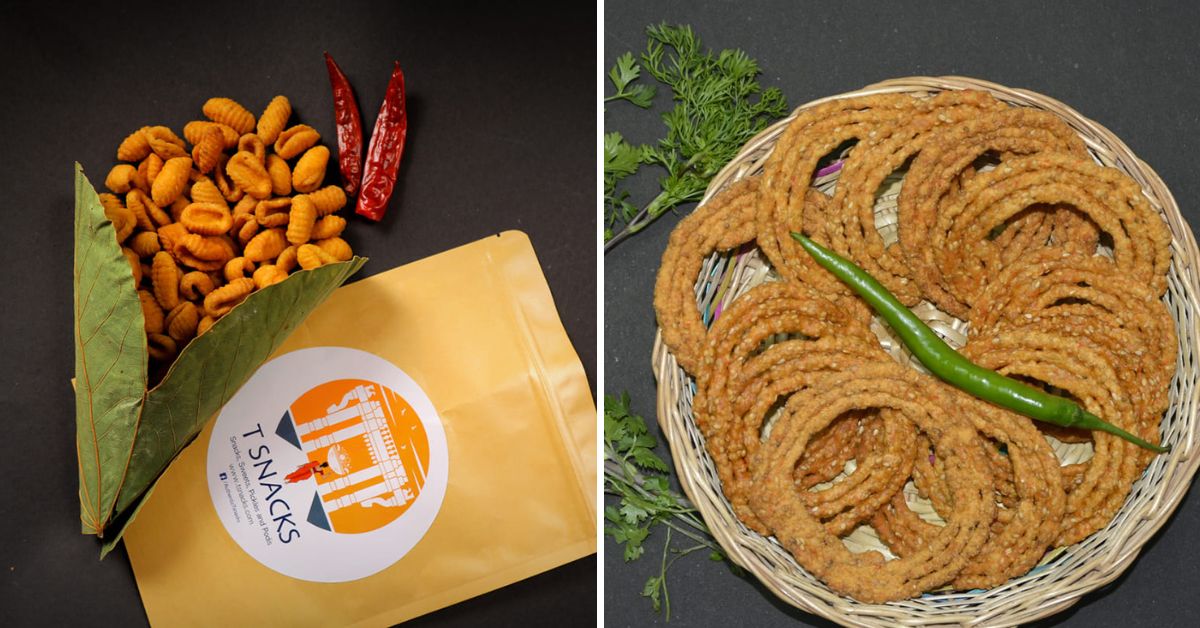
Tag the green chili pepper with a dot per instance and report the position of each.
(951, 366)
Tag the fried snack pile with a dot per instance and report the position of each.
(205, 226)
(1058, 265)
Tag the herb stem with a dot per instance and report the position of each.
(618, 238)
(662, 582)
(661, 203)
(693, 536)
(639, 221)
(644, 498)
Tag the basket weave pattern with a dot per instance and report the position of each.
(1064, 576)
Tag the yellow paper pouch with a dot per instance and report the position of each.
(426, 435)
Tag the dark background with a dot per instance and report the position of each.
(502, 135)
(1132, 67)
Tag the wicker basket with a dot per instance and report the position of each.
(1064, 575)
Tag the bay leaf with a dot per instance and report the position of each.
(110, 358)
(128, 435)
(212, 367)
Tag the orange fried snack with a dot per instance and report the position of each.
(220, 301)
(310, 169)
(328, 199)
(867, 577)
(301, 220)
(171, 180)
(206, 218)
(208, 150)
(296, 140)
(266, 245)
(134, 147)
(228, 112)
(273, 120)
(249, 174)
(312, 256)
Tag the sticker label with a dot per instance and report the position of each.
(329, 465)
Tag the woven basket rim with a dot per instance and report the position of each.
(1035, 601)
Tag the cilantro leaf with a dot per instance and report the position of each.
(646, 458)
(621, 159)
(633, 514)
(622, 74)
(652, 590)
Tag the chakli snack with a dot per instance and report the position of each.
(184, 242)
(1055, 264)
(852, 230)
(788, 174)
(814, 134)
(867, 577)
(740, 385)
(1084, 373)
(724, 223)
(1026, 479)
(1107, 198)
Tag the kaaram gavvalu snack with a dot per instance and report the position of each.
(1058, 265)
(201, 255)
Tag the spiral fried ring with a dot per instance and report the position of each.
(867, 577)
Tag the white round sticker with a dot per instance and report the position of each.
(329, 465)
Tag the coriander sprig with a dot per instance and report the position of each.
(627, 71)
(713, 116)
(635, 474)
(621, 159)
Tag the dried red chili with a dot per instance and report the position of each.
(385, 150)
(349, 127)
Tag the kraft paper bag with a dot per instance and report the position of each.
(425, 436)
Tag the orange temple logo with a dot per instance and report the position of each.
(367, 454)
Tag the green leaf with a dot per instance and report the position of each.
(633, 543)
(641, 95)
(620, 157)
(652, 590)
(622, 74)
(644, 439)
(193, 391)
(632, 513)
(646, 499)
(110, 358)
(656, 484)
(647, 459)
(612, 405)
(138, 432)
(630, 535)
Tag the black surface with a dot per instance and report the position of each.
(1130, 66)
(502, 132)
